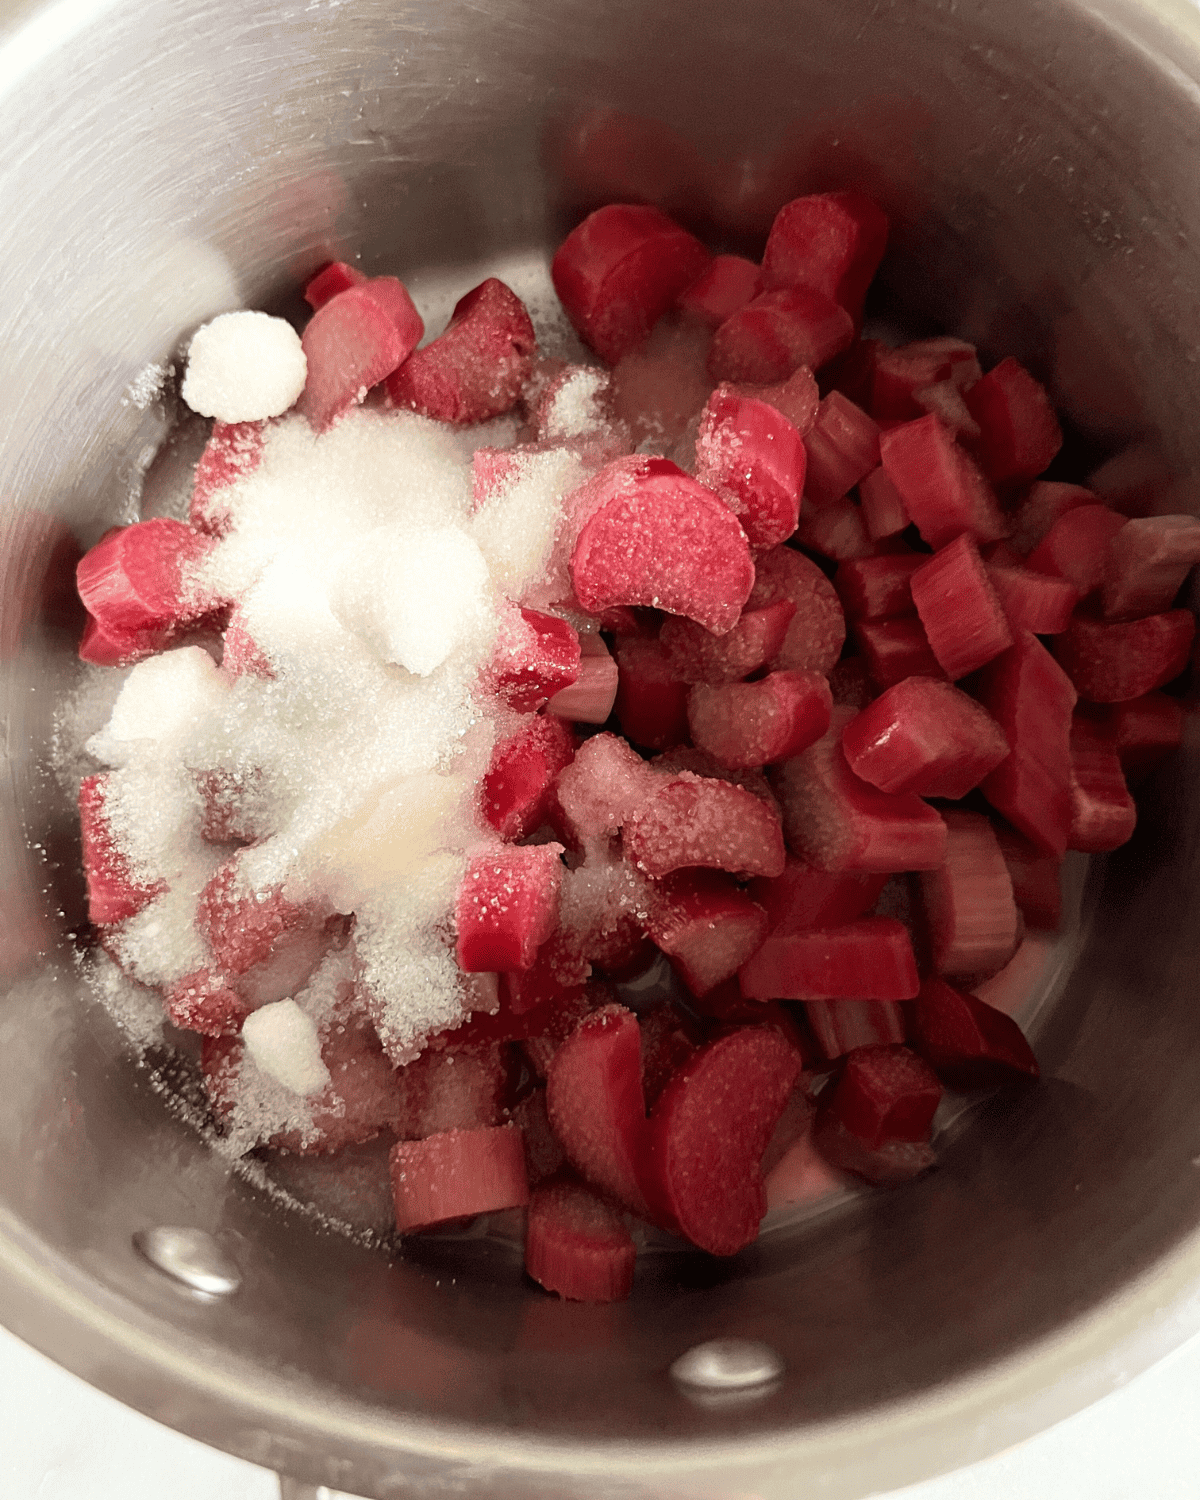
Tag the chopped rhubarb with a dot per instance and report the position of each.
(924, 737)
(451, 1089)
(869, 959)
(506, 907)
(943, 491)
(697, 821)
(244, 927)
(964, 620)
(832, 242)
(725, 285)
(576, 1245)
(606, 782)
(882, 505)
(818, 630)
(234, 805)
(619, 271)
(233, 451)
(392, 295)
(548, 1027)
(653, 535)
(518, 786)
(351, 344)
(753, 457)
(1076, 547)
(897, 374)
(878, 588)
(241, 655)
(945, 400)
(114, 892)
(776, 333)
(1143, 731)
(456, 1175)
(651, 699)
(668, 1041)
(896, 649)
(536, 655)
(968, 1042)
(840, 1026)
(590, 698)
(1031, 601)
(206, 1003)
(596, 1106)
(797, 397)
(558, 969)
(1032, 699)
(336, 277)
(1019, 433)
(843, 447)
(706, 925)
(838, 822)
(1045, 503)
(749, 724)
(708, 1133)
(877, 1119)
(804, 897)
(836, 531)
(1103, 816)
(696, 655)
(1117, 662)
(477, 368)
(969, 906)
(138, 585)
(1035, 879)
(1148, 560)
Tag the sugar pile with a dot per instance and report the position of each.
(244, 367)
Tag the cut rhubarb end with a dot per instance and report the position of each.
(706, 924)
(1041, 508)
(242, 926)
(883, 509)
(871, 959)
(654, 536)
(590, 698)
(1147, 562)
(651, 703)
(896, 649)
(1143, 732)
(114, 893)
(926, 738)
(1019, 433)
(1035, 879)
(831, 242)
(138, 584)
(351, 344)
(478, 367)
(668, 1041)
(750, 724)
(536, 655)
(841, 1026)
(445, 1088)
(696, 655)
(336, 277)
(973, 924)
(797, 397)
(1033, 601)
(943, 491)
(804, 897)
(456, 1175)
(776, 333)
(964, 620)
(1103, 815)
(576, 1245)
(506, 908)
(753, 457)
(886, 1094)
(1118, 662)
(695, 821)
(892, 377)
(1032, 699)
(836, 531)
(843, 447)
(878, 588)
(518, 787)
(1076, 547)
(232, 453)
(606, 783)
(619, 271)
(204, 1002)
(967, 1042)
(725, 285)
(709, 1131)
(817, 632)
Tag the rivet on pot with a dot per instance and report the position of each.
(190, 1256)
(728, 1365)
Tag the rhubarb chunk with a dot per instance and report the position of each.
(114, 892)
(536, 655)
(832, 242)
(456, 1175)
(924, 737)
(518, 786)
(805, 897)
(1077, 546)
(590, 698)
(507, 907)
(138, 585)
(1117, 662)
(896, 649)
(696, 655)
(878, 1119)
(698, 821)
(883, 509)
(754, 458)
(878, 588)
(871, 959)
(943, 491)
(576, 1245)
(1019, 433)
(776, 333)
(727, 283)
(968, 1042)
(351, 344)
(818, 629)
(840, 1026)
(749, 724)
(1032, 601)
(969, 904)
(843, 447)
(706, 925)
(1103, 815)
(964, 620)
(1148, 560)
(651, 701)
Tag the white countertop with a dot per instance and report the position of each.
(61, 1440)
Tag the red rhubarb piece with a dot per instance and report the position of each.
(1045, 503)
(653, 535)
(1032, 699)
(832, 242)
(1103, 815)
(607, 781)
(138, 585)
(818, 630)
(1148, 560)
(536, 655)
(754, 458)
(206, 1003)
(706, 925)
(924, 737)
(878, 588)
(896, 375)
(840, 1026)
(576, 1245)
(968, 1042)
(696, 655)
(456, 1175)
(518, 786)
(797, 397)
(838, 822)
(595, 1102)
(896, 649)
(336, 277)
(244, 927)
(114, 892)
(551, 1024)
(651, 700)
(1143, 731)
(882, 505)
(1117, 662)
(558, 969)
(234, 805)
(1076, 546)
(776, 333)
(619, 271)
(667, 1043)
(1032, 601)
(590, 698)
(1035, 879)
(969, 904)
(843, 447)
(879, 1115)
(749, 724)
(945, 400)
(241, 655)
(1019, 433)
(964, 620)
(697, 821)
(477, 368)
(836, 531)
(726, 284)
(709, 1131)
(658, 388)
(507, 906)
(462, 1088)
(392, 295)
(943, 490)
(233, 451)
(804, 897)
(870, 959)
(351, 344)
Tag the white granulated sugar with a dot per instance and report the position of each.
(283, 1041)
(517, 527)
(167, 701)
(135, 1008)
(244, 367)
(576, 408)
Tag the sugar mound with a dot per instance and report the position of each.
(283, 1041)
(167, 700)
(244, 367)
(517, 527)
